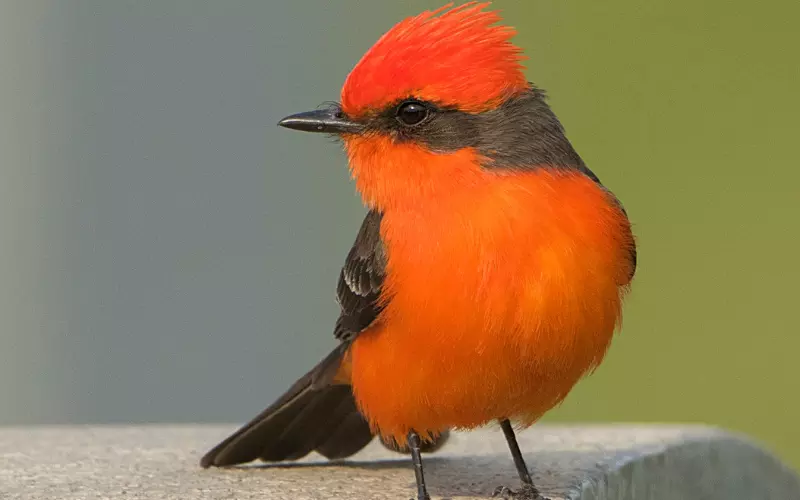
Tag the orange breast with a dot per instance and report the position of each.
(498, 301)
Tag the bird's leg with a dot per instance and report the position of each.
(528, 490)
(519, 462)
(414, 444)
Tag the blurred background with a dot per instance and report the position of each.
(167, 254)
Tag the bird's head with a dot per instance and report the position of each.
(438, 102)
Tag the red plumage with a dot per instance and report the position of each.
(450, 57)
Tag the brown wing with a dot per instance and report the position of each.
(316, 413)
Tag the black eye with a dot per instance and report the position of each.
(412, 113)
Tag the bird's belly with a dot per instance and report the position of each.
(455, 375)
(497, 322)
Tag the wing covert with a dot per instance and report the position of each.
(361, 279)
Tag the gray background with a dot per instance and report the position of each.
(163, 241)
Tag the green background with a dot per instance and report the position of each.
(689, 112)
(169, 255)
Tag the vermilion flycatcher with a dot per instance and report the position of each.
(487, 277)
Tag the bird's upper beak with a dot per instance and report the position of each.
(329, 121)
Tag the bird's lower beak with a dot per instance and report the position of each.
(329, 121)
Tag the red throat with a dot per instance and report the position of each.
(451, 56)
(392, 175)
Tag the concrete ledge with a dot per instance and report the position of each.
(585, 463)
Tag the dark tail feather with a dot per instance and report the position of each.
(313, 415)
(352, 435)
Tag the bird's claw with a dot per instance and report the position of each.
(527, 492)
(503, 492)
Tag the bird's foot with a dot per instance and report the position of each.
(527, 492)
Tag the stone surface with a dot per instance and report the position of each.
(586, 463)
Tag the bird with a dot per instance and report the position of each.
(489, 273)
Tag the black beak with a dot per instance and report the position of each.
(329, 121)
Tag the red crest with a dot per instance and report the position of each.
(455, 57)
